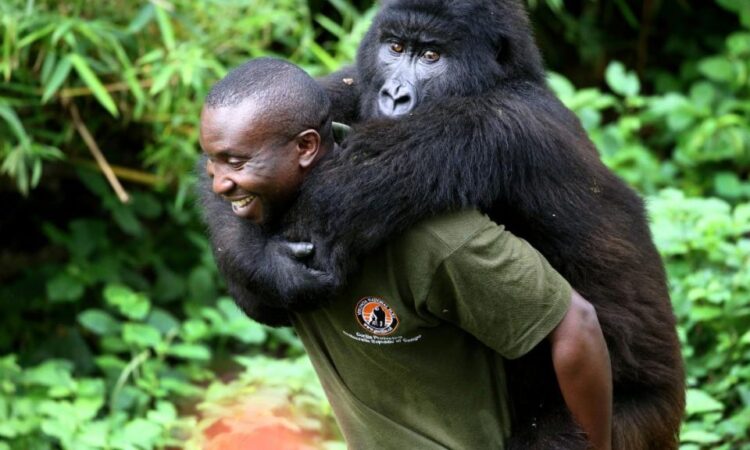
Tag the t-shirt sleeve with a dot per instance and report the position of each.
(497, 287)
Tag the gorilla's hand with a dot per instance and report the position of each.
(265, 274)
(269, 300)
(284, 274)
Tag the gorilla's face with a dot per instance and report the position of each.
(420, 51)
(407, 70)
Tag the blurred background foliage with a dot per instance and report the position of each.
(115, 331)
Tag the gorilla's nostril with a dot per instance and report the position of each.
(403, 100)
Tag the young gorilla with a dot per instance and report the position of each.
(452, 110)
(456, 294)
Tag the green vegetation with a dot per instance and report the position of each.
(116, 333)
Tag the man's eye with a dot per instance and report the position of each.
(236, 163)
(397, 47)
(431, 56)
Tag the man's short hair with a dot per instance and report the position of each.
(292, 99)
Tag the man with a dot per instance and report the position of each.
(411, 352)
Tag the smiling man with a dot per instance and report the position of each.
(412, 352)
(261, 145)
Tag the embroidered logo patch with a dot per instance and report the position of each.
(375, 316)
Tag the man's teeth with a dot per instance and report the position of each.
(244, 202)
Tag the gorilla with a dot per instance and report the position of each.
(450, 109)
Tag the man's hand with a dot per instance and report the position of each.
(582, 365)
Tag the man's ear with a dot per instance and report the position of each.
(308, 147)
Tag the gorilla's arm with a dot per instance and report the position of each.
(514, 148)
(510, 148)
(253, 263)
(343, 88)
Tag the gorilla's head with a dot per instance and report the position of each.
(422, 49)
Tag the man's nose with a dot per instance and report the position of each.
(220, 183)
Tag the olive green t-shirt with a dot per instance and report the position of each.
(411, 353)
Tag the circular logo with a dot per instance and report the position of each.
(375, 316)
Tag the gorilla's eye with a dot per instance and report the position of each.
(431, 56)
(397, 47)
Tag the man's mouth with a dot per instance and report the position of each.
(241, 203)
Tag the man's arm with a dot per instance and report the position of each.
(582, 365)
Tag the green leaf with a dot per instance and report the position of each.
(141, 19)
(190, 351)
(705, 313)
(140, 433)
(62, 30)
(128, 72)
(35, 35)
(699, 436)
(562, 87)
(195, 330)
(99, 322)
(323, 56)
(742, 217)
(146, 205)
(58, 78)
(50, 62)
(8, 39)
(331, 26)
(10, 117)
(717, 68)
(165, 413)
(95, 434)
(165, 26)
(622, 82)
(162, 321)
(201, 283)
(701, 402)
(129, 303)
(141, 335)
(745, 339)
(703, 94)
(739, 43)
(728, 185)
(237, 324)
(125, 217)
(64, 288)
(92, 82)
(53, 373)
(162, 78)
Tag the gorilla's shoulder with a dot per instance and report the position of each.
(447, 232)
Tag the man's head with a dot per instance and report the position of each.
(263, 127)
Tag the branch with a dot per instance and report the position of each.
(98, 156)
(124, 173)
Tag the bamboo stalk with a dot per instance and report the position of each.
(97, 153)
(124, 173)
(80, 91)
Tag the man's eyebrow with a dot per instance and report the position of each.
(226, 153)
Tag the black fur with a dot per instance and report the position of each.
(253, 262)
(490, 135)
